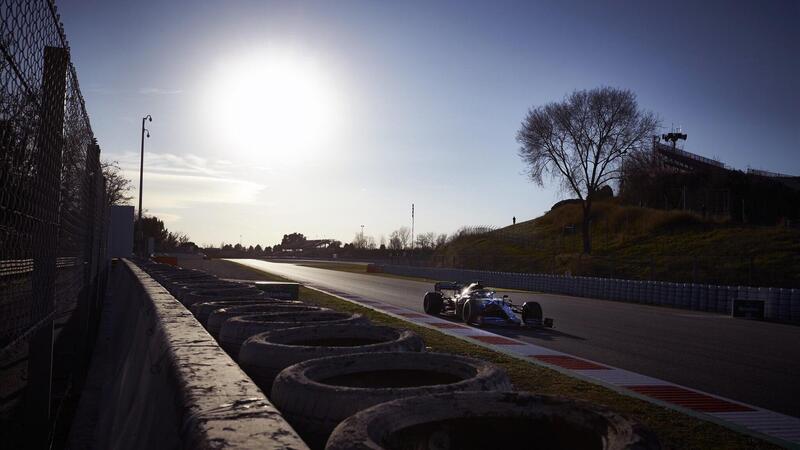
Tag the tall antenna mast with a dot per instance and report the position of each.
(412, 226)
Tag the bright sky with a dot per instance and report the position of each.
(276, 117)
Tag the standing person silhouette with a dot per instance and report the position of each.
(514, 220)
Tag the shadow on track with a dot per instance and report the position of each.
(543, 334)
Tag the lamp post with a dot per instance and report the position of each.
(141, 173)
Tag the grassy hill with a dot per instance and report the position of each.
(637, 243)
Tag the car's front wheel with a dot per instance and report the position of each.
(532, 313)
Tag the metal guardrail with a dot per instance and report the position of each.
(768, 174)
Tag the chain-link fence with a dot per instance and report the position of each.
(52, 225)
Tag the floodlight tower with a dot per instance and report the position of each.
(674, 137)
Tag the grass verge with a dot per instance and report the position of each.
(674, 429)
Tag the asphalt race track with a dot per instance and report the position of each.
(752, 362)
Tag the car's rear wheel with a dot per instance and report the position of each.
(433, 303)
(532, 312)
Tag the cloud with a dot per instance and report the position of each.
(170, 163)
(184, 181)
(100, 90)
(159, 91)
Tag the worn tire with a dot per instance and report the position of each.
(179, 276)
(263, 356)
(476, 420)
(238, 329)
(219, 316)
(174, 274)
(203, 283)
(210, 295)
(178, 290)
(314, 404)
(432, 303)
(202, 310)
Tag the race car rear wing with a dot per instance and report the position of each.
(447, 286)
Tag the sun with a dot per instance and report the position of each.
(275, 104)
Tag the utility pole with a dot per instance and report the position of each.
(141, 177)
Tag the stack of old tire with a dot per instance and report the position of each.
(339, 384)
(195, 286)
(344, 383)
(233, 311)
(358, 385)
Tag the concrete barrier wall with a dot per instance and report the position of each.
(779, 304)
(169, 385)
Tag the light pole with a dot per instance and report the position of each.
(141, 173)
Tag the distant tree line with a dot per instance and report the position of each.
(399, 239)
(362, 246)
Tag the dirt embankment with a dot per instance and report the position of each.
(635, 243)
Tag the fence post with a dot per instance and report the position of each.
(45, 243)
(84, 311)
(99, 252)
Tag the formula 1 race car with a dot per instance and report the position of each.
(476, 304)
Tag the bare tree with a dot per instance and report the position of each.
(394, 241)
(360, 241)
(441, 239)
(117, 186)
(582, 140)
(400, 238)
(426, 240)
